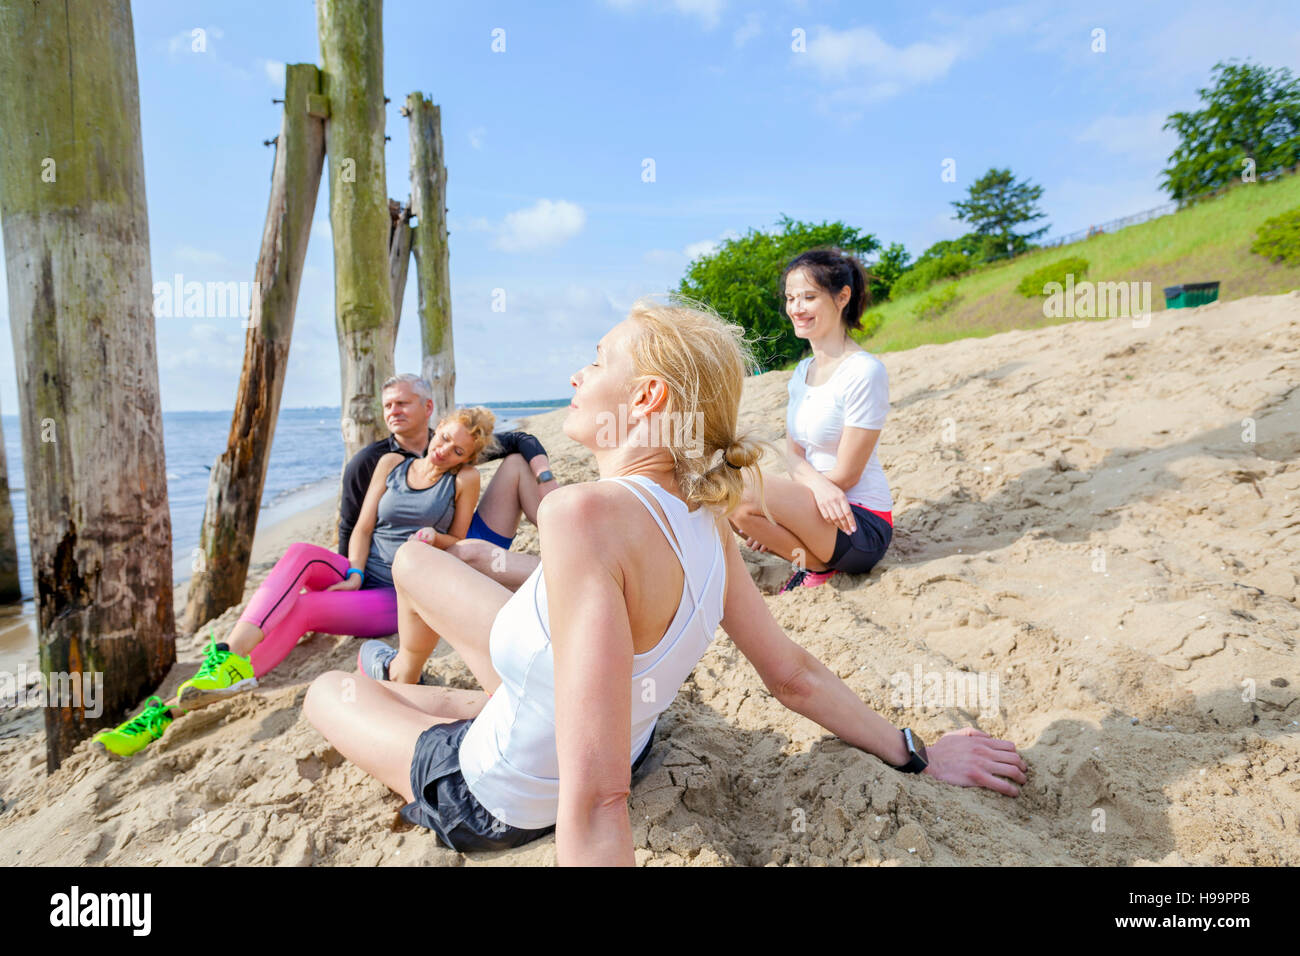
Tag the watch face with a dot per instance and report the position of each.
(917, 744)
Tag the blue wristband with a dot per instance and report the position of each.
(352, 571)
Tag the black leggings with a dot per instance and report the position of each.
(858, 553)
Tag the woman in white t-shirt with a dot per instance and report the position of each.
(835, 512)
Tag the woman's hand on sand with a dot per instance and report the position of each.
(834, 506)
(427, 535)
(972, 758)
(351, 583)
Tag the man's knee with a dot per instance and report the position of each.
(514, 462)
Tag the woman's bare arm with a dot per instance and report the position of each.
(364, 529)
(807, 686)
(583, 530)
(467, 486)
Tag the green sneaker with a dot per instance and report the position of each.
(138, 732)
(223, 674)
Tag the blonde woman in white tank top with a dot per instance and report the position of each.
(611, 601)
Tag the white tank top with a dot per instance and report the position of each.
(508, 755)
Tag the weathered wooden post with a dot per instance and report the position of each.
(10, 590)
(76, 235)
(399, 256)
(352, 50)
(235, 486)
(433, 272)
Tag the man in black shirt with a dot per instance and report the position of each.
(519, 485)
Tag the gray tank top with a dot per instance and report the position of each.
(403, 511)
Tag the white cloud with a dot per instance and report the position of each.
(544, 224)
(707, 246)
(708, 12)
(747, 30)
(702, 248)
(476, 136)
(199, 364)
(320, 229)
(197, 46)
(200, 257)
(859, 55)
(274, 71)
(1139, 136)
(678, 258)
(210, 334)
(194, 40)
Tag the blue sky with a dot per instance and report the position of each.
(545, 144)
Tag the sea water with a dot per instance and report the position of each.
(304, 470)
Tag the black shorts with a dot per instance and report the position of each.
(858, 553)
(443, 802)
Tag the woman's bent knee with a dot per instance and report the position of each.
(473, 551)
(325, 692)
(412, 558)
(297, 552)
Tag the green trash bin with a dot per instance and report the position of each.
(1190, 294)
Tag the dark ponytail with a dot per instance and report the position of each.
(832, 270)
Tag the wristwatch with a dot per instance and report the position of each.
(918, 760)
(545, 476)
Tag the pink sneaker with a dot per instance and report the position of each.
(807, 579)
(812, 579)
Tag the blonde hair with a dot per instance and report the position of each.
(479, 422)
(703, 359)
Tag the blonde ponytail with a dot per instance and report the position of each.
(703, 359)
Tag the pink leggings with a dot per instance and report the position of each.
(284, 615)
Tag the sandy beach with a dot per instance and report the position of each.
(1097, 526)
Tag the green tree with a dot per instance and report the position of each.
(978, 249)
(996, 205)
(742, 280)
(1251, 113)
(893, 262)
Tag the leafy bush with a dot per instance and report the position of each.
(1278, 238)
(1032, 284)
(936, 303)
(741, 280)
(927, 272)
(872, 320)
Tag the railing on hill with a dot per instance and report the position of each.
(1155, 213)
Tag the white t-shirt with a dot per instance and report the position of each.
(857, 396)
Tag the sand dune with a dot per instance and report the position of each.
(1082, 524)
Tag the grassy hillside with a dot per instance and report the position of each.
(1205, 243)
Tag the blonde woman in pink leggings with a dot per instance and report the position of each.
(429, 499)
